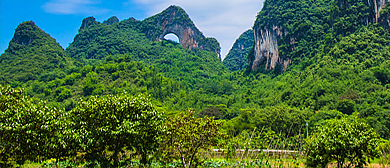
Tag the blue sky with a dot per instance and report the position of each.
(224, 20)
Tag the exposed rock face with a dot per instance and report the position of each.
(382, 13)
(378, 5)
(89, 21)
(175, 20)
(111, 21)
(266, 50)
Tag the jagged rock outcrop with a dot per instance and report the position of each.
(378, 6)
(382, 13)
(270, 32)
(175, 20)
(237, 58)
(90, 21)
(112, 20)
(266, 49)
(87, 22)
(267, 34)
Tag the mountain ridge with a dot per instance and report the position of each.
(171, 20)
(338, 67)
(278, 31)
(237, 58)
(33, 52)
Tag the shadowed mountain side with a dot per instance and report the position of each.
(237, 58)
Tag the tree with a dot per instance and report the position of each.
(114, 123)
(349, 142)
(187, 135)
(28, 128)
(384, 149)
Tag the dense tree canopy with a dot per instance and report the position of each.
(29, 128)
(115, 123)
(340, 67)
(237, 58)
(351, 143)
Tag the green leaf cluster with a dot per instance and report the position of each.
(348, 142)
(187, 135)
(29, 128)
(237, 58)
(101, 128)
(115, 123)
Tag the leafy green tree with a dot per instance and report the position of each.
(349, 142)
(114, 123)
(384, 150)
(28, 127)
(346, 106)
(187, 135)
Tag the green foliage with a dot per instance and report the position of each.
(29, 128)
(346, 106)
(312, 26)
(187, 135)
(339, 66)
(349, 142)
(285, 120)
(98, 42)
(237, 58)
(350, 77)
(115, 123)
(31, 54)
(384, 149)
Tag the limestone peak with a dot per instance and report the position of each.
(112, 20)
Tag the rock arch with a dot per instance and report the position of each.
(170, 36)
(186, 35)
(175, 20)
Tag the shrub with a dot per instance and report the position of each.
(348, 142)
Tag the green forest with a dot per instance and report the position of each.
(117, 98)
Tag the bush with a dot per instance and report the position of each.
(29, 128)
(348, 142)
(186, 135)
(115, 123)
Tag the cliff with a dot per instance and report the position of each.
(88, 22)
(105, 36)
(383, 14)
(237, 58)
(284, 30)
(266, 49)
(270, 27)
(175, 20)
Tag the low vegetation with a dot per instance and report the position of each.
(115, 98)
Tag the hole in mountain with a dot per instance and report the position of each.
(172, 37)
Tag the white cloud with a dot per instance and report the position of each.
(74, 7)
(224, 20)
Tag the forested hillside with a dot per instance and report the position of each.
(308, 62)
(338, 53)
(31, 55)
(237, 58)
(337, 69)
